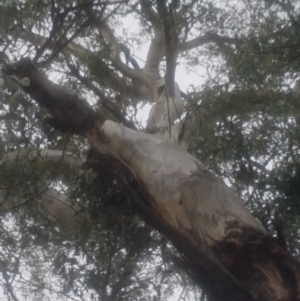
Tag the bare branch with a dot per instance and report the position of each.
(107, 103)
(128, 57)
(171, 43)
(134, 74)
(55, 98)
(156, 49)
(66, 213)
(155, 55)
(208, 38)
(8, 282)
(62, 42)
(149, 13)
(50, 157)
(118, 83)
(107, 33)
(55, 206)
(70, 49)
(58, 19)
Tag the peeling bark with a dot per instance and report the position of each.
(222, 246)
(188, 195)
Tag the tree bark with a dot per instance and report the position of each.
(222, 246)
(56, 207)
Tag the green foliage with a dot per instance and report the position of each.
(245, 129)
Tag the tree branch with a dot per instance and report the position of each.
(149, 13)
(134, 74)
(115, 82)
(8, 282)
(107, 103)
(54, 205)
(53, 156)
(70, 112)
(176, 194)
(208, 38)
(107, 33)
(69, 49)
(128, 57)
(154, 56)
(156, 49)
(170, 42)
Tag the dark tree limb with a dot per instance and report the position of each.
(70, 112)
(167, 18)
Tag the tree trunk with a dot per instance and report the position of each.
(222, 246)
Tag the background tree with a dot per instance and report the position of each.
(82, 199)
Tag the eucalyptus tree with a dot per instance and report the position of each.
(95, 204)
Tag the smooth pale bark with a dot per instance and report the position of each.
(47, 156)
(222, 246)
(188, 195)
(62, 212)
(68, 215)
(204, 219)
(57, 207)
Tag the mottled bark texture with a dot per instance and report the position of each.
(222, 246)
